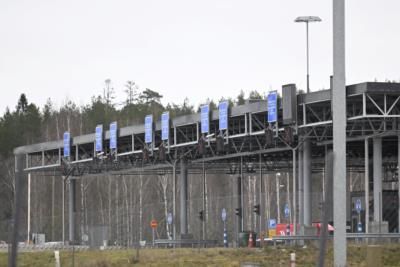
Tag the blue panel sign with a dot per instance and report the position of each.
(113, 135)
(99, 138)
(272, 224)
(148, 129)
(169, 218)
(272, 107)
(205, 119)
(223, 115)
(165, 126)
(67, 144)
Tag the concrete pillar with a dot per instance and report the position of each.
(307, 182)
(398, 183)
(71, 210)
(183, 198)
(339, 134)
(377, 161)
(239, 203)
(301, 188)
(15, 223)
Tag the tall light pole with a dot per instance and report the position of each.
(307, 20)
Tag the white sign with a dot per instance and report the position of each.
(223, 214)
(169, 218)
(358, 205)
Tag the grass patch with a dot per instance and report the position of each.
(268, 256)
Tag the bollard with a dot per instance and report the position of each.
(293, 259)
(374, 256)
(250, 244)
(57, 257)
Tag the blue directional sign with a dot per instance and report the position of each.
(358, 205)
(205, 119)
(272, 107)
(272, 224)
(148, 129)
(99, 138)
(223, 115)
(287, 210)
(165, 126)
(113, 135)
(67, 144)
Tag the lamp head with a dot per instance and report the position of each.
(308, 19)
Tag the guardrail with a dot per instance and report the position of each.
(355, 236)
(192, 242)
(27, 248)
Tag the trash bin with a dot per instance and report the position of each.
(244, 238)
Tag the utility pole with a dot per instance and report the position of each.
(339, 134)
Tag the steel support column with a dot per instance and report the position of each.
(307, 182)
(339, 134)
(366, 184)
(294, 206)
(377, 171)
(174, 200)
(241, 195)
(301, 188)
(183, 198)
(71, 210)
(260, 199)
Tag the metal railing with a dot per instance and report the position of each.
(192, 242)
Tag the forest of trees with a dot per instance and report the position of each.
(101, 200)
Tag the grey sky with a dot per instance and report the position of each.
(182, 48)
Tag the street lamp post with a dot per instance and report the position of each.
(307, 20)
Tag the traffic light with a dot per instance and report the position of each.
(201, 146)
(146, 156)
(269, 137)
(161, 152)
(201, 215)
(238, 211)
(256, 209)
(220, 144)
(288, 135)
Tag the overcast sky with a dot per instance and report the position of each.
(183, 48)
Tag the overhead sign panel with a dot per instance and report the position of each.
(205, 119)
(165, 126)
(272, 107)
(223, 115)
(67, 144)
(113, 135)
(148, 129)
(99, 138)
(289, 104)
